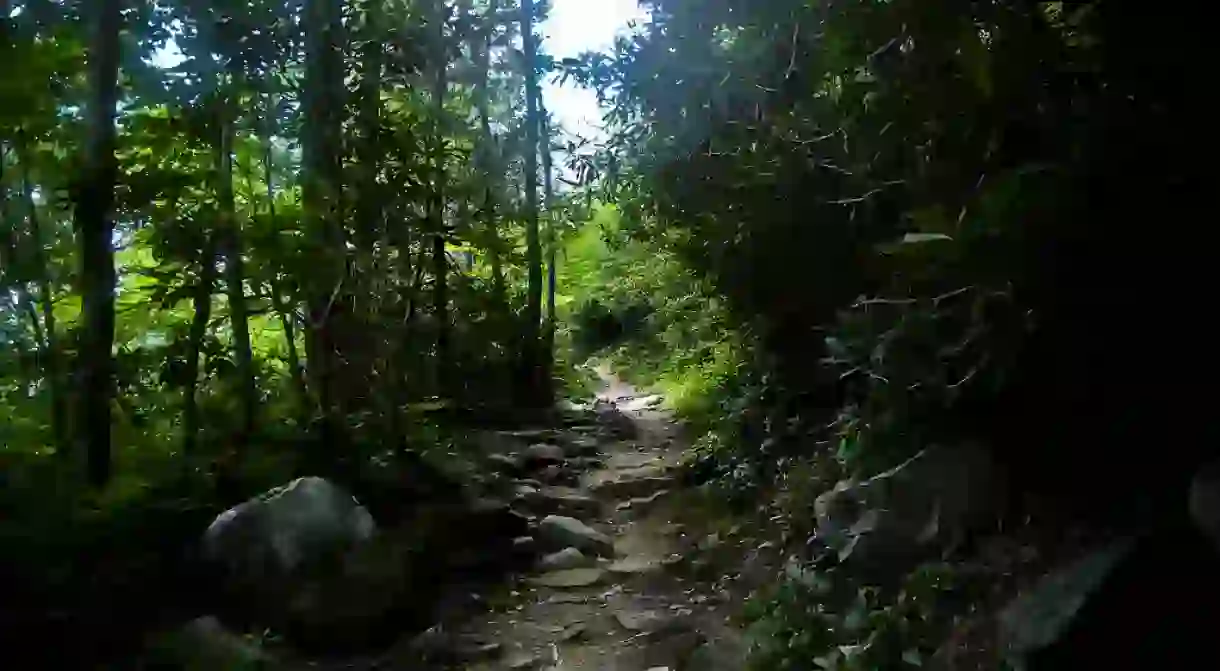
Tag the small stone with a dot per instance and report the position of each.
(523, 660)
(503, 463)
(566, 558)
(542, 453)
(573, 631)
(643, 621)
(577, 577)
(558, 532)
(634, 566)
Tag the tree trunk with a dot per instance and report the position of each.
(482, 57)
(548, 200)
(281, 308)
(51, 353)
(199, 330)
(322, 105)
(548, 345)
(94, 230)
(235, 277)
(369, 214)
(532, 373)
(436, 205)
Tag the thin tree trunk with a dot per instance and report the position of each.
(548, 200)
(369, 214)
(532, 373)
(51, 353)
(482, 57)
(548, 346)
(199, 330)
(277, 298)
(436, 205)
(94, 230)
(235, 276)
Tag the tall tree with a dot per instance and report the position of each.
(322, 104)
(94, 230)
(436, 201)
(486, 151)
(531, 342)
(229, 235)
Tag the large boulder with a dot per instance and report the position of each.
(891, 520)
(292, 557)
(270, 542)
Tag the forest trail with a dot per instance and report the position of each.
(633, 611)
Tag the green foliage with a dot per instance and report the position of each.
(814, 620)
(310, 277)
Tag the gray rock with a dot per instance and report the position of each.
(525, 546)
(540, 454)
(586, 463)
(648, 621)
(631, 485)
(566, 558)
(559, 532)
(569, 578)
(504, 463)
(559, 474)
(641, 504)
(582, 446)
(635, 566)
(1040, 617)
(612, 421)
(268, 546)
(523, 661)
(562, 501)
(891, 520)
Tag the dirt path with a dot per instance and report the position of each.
(633, 611)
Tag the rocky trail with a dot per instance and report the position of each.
(607, 592)
(583, 552)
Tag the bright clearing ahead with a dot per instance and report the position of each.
(574, 27)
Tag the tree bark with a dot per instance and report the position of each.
(482, 58)
(94, 230)
(532, 373)
(322, 105)
(548, 346)
(199, 330)
(235, 276)
(548, 200)
(369, 213)
(436, 205)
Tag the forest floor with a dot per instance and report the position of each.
(641, 609)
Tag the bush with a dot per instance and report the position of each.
(815, 620)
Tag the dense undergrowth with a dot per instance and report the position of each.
(856, 230)
(831, 233)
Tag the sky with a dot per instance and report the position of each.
(574, 27)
